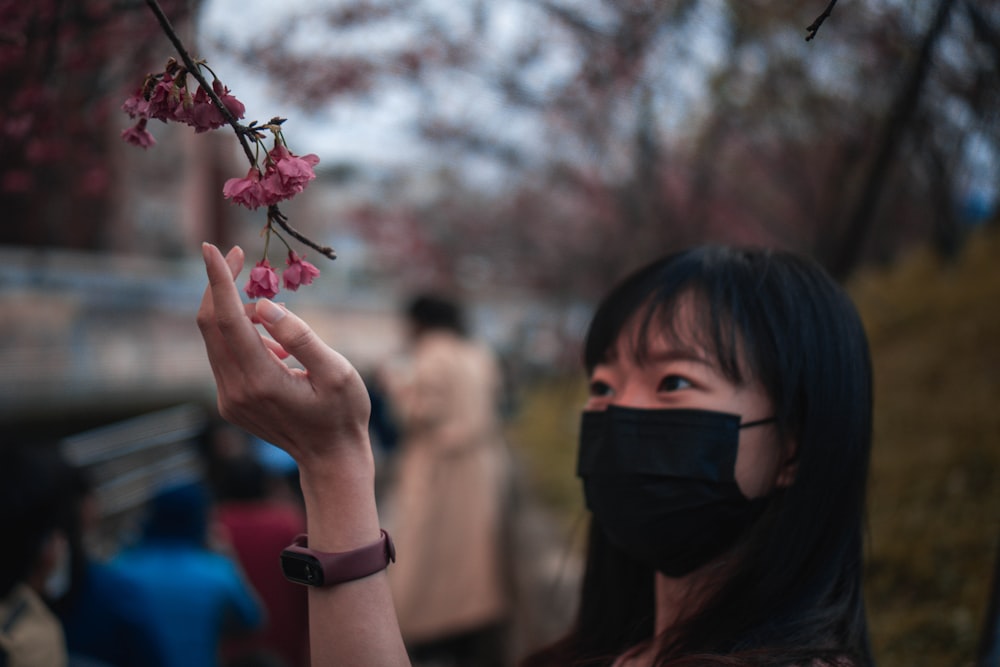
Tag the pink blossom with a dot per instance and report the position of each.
(263, 281)
(94, 182)
(138, 135)
(299, 271)
(17, 181)
(136, 106)
(17, 127)
(247, 191)
(287, 174)
(203, 114)
(45, 148)
(229, 101)
(294, 171)
(271, 190)
(184, 108)
(165, 100)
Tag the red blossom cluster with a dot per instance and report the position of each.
(166, 96)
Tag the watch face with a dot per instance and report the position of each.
(301, 568)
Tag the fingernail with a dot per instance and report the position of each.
(205, 250)
(269, 312)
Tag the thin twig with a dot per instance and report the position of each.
(813, 27)
(273, 214)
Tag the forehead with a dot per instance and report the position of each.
(654, 329)
(686, 326)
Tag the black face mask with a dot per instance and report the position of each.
(661, 483)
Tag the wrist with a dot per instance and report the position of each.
(339, 496)
(304, 565)
(335, 459)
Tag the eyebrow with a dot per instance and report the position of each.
(682, 354)
(674, 354)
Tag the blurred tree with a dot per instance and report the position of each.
(64, 65)
(617, 130)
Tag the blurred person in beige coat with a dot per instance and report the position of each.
(448, 497)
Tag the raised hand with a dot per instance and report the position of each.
(318, 413)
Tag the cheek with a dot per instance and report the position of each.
(757, 463)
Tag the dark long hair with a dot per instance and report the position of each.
(37, 495)
(793, 594)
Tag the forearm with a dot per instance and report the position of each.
(319, 414)
(352, 623)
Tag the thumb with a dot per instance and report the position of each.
(294, 335)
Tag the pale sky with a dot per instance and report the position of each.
(378, 134)
(347, 131)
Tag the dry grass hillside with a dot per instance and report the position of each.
(935, 485)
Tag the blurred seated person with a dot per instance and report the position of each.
(34, 510)
(104, 612)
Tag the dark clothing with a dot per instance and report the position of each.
(109, 620)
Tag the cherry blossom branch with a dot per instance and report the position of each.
(813, 27)
(295, 171)
(195, 71)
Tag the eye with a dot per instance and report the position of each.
(673, 383)
(599, 389)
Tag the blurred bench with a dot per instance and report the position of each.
(127, 461)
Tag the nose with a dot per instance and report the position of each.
(634, 395)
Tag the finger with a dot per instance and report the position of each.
(214, 341)
(296, 337)
(234, 259)
(237, 331)
(275, 347)
(251, 310)
(227, 369)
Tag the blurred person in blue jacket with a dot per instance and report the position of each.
(104, 610)
(198, 596)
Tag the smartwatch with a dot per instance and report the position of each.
(303, 565)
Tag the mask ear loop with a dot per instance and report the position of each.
(759, 422)
(795, 454)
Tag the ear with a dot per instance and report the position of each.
(789, 465)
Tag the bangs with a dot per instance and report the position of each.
(689, 309)
(690, 320)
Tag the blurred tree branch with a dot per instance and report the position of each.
(859, 223)
(782, 145)
(813, 27)
(61, 68)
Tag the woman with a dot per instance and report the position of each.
(724, 452)
(768, 572)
